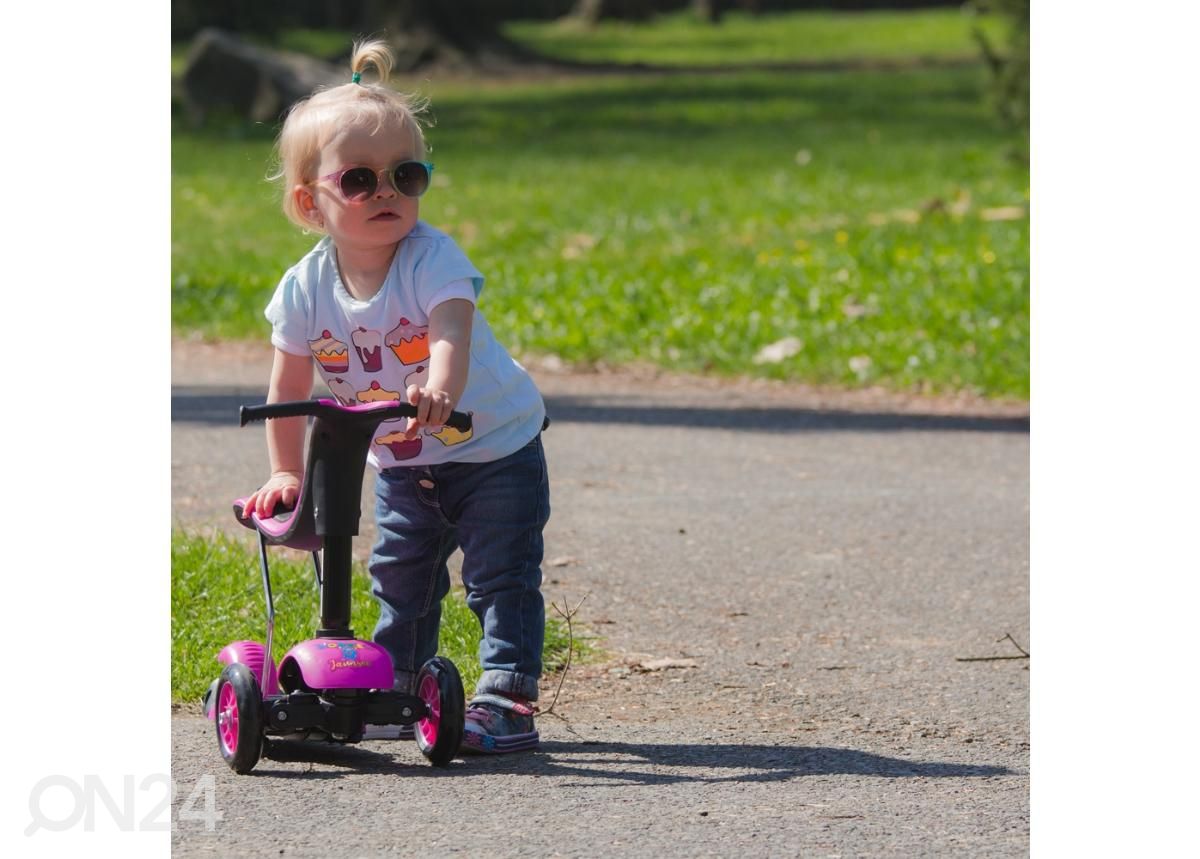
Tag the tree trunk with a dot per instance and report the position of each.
(425, 32)
(587, 12)
(710, 11)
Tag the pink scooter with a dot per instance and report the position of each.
(332, 686)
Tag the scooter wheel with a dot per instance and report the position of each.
(440, 733)
(239, 718)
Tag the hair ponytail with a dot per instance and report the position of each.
(373, 52)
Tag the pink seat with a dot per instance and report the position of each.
(294, 527)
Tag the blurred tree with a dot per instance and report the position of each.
(1009, 65)
(710, 11)
(465, 31)
(421, 32)
(267, 17)
(190, 16)
(588, 12)
(713, 11)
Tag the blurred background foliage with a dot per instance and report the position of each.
(827, 192)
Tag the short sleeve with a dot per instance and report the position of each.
(437, 270)
(462, 288)
(288, 313)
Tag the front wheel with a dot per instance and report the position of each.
(440, 733)
(239, 717)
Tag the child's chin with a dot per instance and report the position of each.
(397, 228)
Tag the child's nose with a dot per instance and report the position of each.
(386, 186)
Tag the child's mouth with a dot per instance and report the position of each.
(385, 216)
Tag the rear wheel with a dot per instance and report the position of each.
(440, 733)
(239, 717)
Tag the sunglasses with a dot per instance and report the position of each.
(359, 184)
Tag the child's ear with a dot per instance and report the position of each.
(306, 204)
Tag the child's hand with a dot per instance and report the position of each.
(433, 408)
(283, 487)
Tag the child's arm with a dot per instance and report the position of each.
(291, 379)
(449, 363)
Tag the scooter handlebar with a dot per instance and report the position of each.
(333, 410)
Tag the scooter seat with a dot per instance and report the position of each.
(294, 527)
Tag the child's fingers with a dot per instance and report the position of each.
(433, 410)
(439, 412)
(266, 504)
(413, 395)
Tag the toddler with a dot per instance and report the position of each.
(385, 305)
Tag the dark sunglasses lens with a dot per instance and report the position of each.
(412, 178)
(358, 183)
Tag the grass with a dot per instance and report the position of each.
(216, 598)
(811, 36)
(874, 219)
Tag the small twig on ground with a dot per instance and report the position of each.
(1024, 653)
(567, 725)
(566, 615)
(1014, 641)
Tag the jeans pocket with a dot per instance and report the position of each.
(535, 449)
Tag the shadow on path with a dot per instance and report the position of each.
(623, 763)
(219, 406)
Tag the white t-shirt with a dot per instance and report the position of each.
(367, 351)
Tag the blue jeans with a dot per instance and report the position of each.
(495, 511)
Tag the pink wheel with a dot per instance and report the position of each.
(429, 725)
(439, 733)
(239, 717)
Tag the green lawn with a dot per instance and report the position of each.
(809, 36)
(216, 598)
(687, 220)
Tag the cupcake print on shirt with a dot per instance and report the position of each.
(332, 354)
(369, 346)
(377, 394)
(409, 343)
(403, 448)
(449, 436)
(400, 447)
(343, 390)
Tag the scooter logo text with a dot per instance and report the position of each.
(349, 653)
(335, 664)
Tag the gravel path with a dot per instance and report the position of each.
(811, 566)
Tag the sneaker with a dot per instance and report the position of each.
(496, 724)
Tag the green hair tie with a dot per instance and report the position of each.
(356, 77)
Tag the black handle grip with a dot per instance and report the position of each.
(331, 410)
(299, 408)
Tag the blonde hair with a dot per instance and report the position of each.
(312, 122)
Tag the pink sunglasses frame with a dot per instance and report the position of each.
(390, 172)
